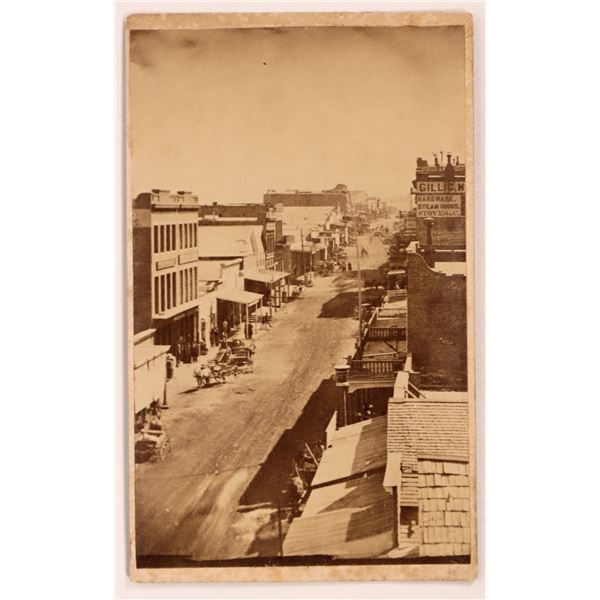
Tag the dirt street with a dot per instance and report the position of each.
(222, 436)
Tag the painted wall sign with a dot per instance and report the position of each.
(439, 187)
(438, 205)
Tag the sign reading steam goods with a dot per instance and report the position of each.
(438, 205)
(439, 198)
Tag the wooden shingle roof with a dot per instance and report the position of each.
(421, 428)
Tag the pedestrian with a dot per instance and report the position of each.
(171, 362)
(250, 331)
(349, 266)
(179, 350)
(195, 351)
(225, 328)
(246, 332)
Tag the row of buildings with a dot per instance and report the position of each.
(199, 266)
(394, 479)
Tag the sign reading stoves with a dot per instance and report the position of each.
(439, 198)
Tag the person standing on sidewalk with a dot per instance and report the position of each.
(250, 331)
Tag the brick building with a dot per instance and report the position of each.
(338, 197)
(439, 193)
(437, 321)
(165, 272)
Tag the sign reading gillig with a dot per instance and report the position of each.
(301, 359)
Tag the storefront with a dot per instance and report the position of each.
(272, 285)
(180, 332)
(238, 307)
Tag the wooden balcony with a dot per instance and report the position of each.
(372, 373)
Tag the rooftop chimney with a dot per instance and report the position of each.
(449, 157)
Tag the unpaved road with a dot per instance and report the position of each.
(186, 506)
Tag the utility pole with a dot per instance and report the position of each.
(303, 263)
(358, 279)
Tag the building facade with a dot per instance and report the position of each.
(165, 268)
(438, 193)
(338, 197)
(268, 216)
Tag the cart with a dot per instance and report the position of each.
(151, 445)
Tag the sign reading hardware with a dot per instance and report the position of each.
(438, 205)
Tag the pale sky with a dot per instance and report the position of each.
(228, 114)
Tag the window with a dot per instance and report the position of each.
(185, 236)
(162, 293)
(162, 238)
(174, 285)
(155, 248)
(195, 229)
(180, 236)
(195, 280)
(168, 241)
(156, 283)
(187, 285)
(173, 237)
(168, 284)
(181, 286)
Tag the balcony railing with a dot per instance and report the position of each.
(391, 313)
(386, 333)
(367, 368)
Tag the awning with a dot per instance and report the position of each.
(350, 519)
(266, 276)
(239, 296)
(355, 449)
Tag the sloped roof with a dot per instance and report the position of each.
(229, 241)
(423, 428)
(355, 449)
(350, 519)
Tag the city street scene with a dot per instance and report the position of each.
(301, 389)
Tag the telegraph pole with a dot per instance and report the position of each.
(358, 279)
(303, 263)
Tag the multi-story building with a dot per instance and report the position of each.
(268, 216)
(165, 268)
(439, 193)
(338, 197)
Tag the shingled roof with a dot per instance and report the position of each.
(422, 428)
(431, 437)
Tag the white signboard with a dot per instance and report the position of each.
(438, 205)
(439, 187)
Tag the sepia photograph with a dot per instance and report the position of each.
(300, 309)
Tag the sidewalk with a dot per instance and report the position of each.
(183, 379)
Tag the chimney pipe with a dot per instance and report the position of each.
(449, 156)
